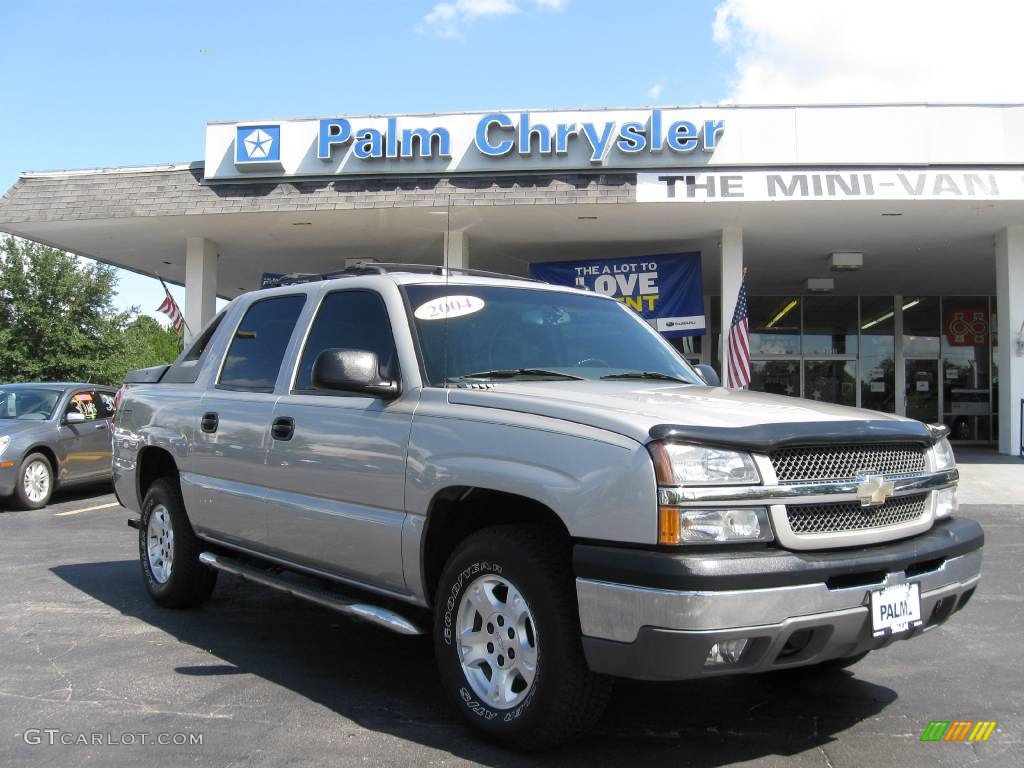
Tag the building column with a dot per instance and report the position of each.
(456, 249)
(200, 284)
(1010, 352)
(731, 247)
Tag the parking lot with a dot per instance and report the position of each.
(263, 679)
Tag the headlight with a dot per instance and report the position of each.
(942, 453)
(4, 442)
(682, 464)
(713, 526)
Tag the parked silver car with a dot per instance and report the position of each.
(52, 434)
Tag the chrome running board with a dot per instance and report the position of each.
(374, 614)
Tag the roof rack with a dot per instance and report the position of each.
(383, 268)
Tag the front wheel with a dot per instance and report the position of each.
(169, 550)
(507, 639)
(35, 482)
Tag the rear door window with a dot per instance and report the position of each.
(258, 347)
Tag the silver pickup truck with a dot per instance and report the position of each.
(535, 477)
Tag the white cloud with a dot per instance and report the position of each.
(655, 90)
(809, 51)
(448, 19)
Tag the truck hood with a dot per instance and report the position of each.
(712, 415)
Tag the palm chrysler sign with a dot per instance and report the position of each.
(520, 140)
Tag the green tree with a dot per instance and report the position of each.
(58, 320)
(148, 343)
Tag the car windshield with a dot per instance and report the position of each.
(28, 403)
(469, 332)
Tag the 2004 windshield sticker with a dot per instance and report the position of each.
(447, 307)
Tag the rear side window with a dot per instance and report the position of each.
(257, 349)
(185, 369)
(349, 320)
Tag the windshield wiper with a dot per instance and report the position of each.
(646, 375)
(511, 373)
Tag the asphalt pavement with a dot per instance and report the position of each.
(261, 679)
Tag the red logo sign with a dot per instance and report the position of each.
(967, 327)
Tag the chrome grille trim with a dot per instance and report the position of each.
(842, 462)
(851, 516)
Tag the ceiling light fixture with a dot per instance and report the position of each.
(887, 315)
(846, 262)
(302, 223)
(587, 218)
(785, 310)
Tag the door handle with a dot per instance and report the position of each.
(101, 426)
(209, 423)
(283, 428)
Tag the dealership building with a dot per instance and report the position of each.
(883, 245)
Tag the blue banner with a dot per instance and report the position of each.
(666, 290)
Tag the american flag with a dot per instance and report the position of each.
(739, 342)
(170, 308)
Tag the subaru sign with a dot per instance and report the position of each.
(666, 290)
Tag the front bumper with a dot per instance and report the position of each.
(656, 615)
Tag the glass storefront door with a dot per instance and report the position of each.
(922, 390)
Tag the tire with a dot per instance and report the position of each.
(169, 550)
(561, 699)
(40, 485)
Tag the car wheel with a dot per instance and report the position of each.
(35, 482)
(169, 550)
(507, 639)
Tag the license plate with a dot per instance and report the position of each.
(896, 608)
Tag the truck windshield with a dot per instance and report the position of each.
(28, 404)
(471, 332)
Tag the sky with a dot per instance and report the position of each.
(86, 85)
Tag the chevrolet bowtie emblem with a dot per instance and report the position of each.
(874, 490)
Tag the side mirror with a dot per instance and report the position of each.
(74, 417)
(709, 375)
(352, 370)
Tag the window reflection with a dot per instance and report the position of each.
(831, 381)
(965, 359)
(774, 325)
(830, 325)
(777, 377)
(921, 325)
(878, 353)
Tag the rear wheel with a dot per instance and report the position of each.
(35, 482)
(169, 550)
(507, 640)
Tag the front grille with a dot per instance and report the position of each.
(851, 516)
(846, 462)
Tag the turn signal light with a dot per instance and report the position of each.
(668, 525)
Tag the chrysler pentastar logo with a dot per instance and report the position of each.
(873, 490)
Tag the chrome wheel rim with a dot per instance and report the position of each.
(36, 481)
(497, 642)
(160, 543)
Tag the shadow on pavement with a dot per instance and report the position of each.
(387, 683)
